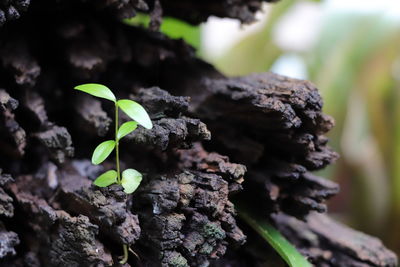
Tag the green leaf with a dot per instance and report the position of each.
(139, 20)
(172, 27)
(286, 250)
(98, 90)
(126, 129)
(106, 179)
(179, 29)
(130, 180)
(136, 112)
(102, 151)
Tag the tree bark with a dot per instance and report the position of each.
(215, 139)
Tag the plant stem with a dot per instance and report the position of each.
(124, 247)
(125, 258)
(117, 145)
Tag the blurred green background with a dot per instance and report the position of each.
(351, 51)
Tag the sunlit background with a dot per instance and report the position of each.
(350, 49)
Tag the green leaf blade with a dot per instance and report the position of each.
(106, 179)
(98, 90)
(102, 151)
(130, 181)
(282, 246)
(126, 129)
(136, 112)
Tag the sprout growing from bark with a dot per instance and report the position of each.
(130, 178)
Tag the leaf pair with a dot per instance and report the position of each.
(130, 179)
(134, 110)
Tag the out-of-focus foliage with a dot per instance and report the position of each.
(356, 64)
(174, 28)
(257, 52)
(178, 29)
(353, 65)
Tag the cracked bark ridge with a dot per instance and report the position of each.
(282, 142)
(91, 116)
(285, 113)
(106, 207)
(123, 8)
(12, 9)
(8, 241)
(211, 162)
(6, 201)
(58, 142)
(18, 62)
(13, 137)
(328, 243)
(55, 138)
(198, 11)
(194, 12)
(187, 218)
(171, 129)
(59, 237)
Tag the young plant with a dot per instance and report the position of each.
(130, 178)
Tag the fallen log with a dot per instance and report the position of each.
(215, 139)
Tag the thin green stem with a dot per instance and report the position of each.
(124, 247)
(117, 145)
(125, 258)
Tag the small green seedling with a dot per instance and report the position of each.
(130, 178)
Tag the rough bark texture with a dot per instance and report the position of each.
(320, 234)
(254, 138)
(192, 11)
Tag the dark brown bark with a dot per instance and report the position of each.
(254, 138)
(320, 234)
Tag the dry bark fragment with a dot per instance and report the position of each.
(198, 11)
(188, 215)
(16, 59)
(10, 127)
(286, 132)
(329, 243)
(6, 202)
(91, 116)
(76, 245)
(58, 141)
(63, 239)
(106, 207)
(8, 241)
(285, 114)
(36, 110)
(171, 129)
(187, 218)
(199, 159)
(12, 9)
(121, 8)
